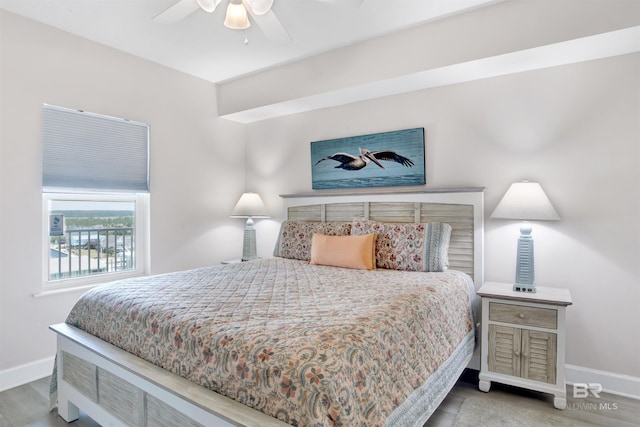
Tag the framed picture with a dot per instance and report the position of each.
(375, 160)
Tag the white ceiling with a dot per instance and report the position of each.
(200, 45)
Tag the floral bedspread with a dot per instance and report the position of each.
(310, 345)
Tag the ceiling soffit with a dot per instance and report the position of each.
(491, 41)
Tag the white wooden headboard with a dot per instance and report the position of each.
(462, 208)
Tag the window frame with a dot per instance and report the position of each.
(141, 201)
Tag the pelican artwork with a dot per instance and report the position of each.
(354, 163)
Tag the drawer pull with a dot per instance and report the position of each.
(521, 316)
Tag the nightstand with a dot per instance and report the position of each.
(523, 339)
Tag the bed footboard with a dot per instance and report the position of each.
(116, 388)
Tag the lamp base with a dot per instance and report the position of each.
(249, 245)
(525, 281)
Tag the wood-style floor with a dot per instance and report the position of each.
(582, 411)
(28, 405)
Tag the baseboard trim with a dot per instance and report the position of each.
(620, 385)
(616, 384)
(26, 373)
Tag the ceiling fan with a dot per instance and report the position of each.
(236, 17)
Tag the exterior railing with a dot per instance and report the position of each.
(84, 252)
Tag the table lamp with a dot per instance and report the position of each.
(249, 206)
(525, 201)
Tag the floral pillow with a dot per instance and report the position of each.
(294, 241)
(407, 246)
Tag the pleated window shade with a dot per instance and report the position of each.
(90, 152)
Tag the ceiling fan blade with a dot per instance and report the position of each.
(178, 11)
(272, 28)
(270, 25)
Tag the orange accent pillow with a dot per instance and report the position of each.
(344, 251)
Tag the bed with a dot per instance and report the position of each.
(285, 341)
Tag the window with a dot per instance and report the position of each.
(95, 185)
(93, 234)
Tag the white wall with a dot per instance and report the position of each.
(575, 129)
(197, 167)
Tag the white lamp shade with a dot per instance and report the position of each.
(525, 201)
(208, 5)
(260, 7)
(250, 205)
(236, 18)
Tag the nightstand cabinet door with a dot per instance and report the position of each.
(539, 356)
(522, 353)
(504, 350)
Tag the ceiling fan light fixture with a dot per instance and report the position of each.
(259, 7)
(236, 18)
(208, 5)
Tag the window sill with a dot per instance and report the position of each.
(64, 288)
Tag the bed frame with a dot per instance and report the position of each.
(118, 389)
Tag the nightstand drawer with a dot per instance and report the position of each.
(523, 315)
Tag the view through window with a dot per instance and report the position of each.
(88, 237)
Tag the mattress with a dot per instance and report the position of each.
(310, 345)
